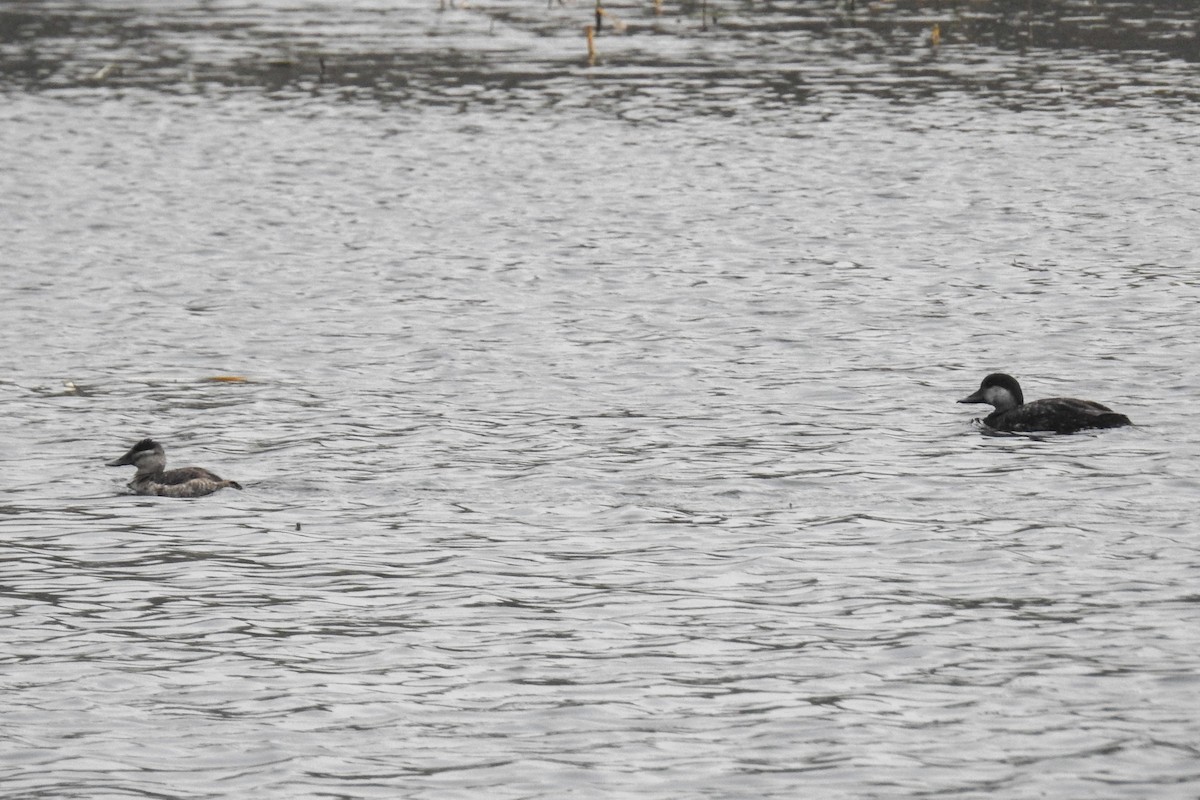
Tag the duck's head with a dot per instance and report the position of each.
(146, 454)
(999, 390)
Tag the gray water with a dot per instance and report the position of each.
(597, 422)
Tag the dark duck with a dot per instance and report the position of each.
(1057, 414)
(153, 477)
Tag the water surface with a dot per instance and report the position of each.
(598, 425)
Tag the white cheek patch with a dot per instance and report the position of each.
(998, 396)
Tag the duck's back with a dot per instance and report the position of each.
(183, 482)
(1058, 414)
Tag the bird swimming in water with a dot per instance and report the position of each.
(1058, 414)
(152, 477)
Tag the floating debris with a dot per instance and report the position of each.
(72, 389)
(110, 70)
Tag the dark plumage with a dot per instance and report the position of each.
(1057, 414)
(152, 477)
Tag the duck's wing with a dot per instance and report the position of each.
(1083, 406)
(1067, 415)
(184, 474)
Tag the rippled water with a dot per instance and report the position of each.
(598, 425)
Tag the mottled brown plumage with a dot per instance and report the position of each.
(152, 477)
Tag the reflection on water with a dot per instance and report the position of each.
(598, 429)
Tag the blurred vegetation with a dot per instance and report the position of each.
(49, 44)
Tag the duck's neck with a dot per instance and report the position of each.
(150, 468)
